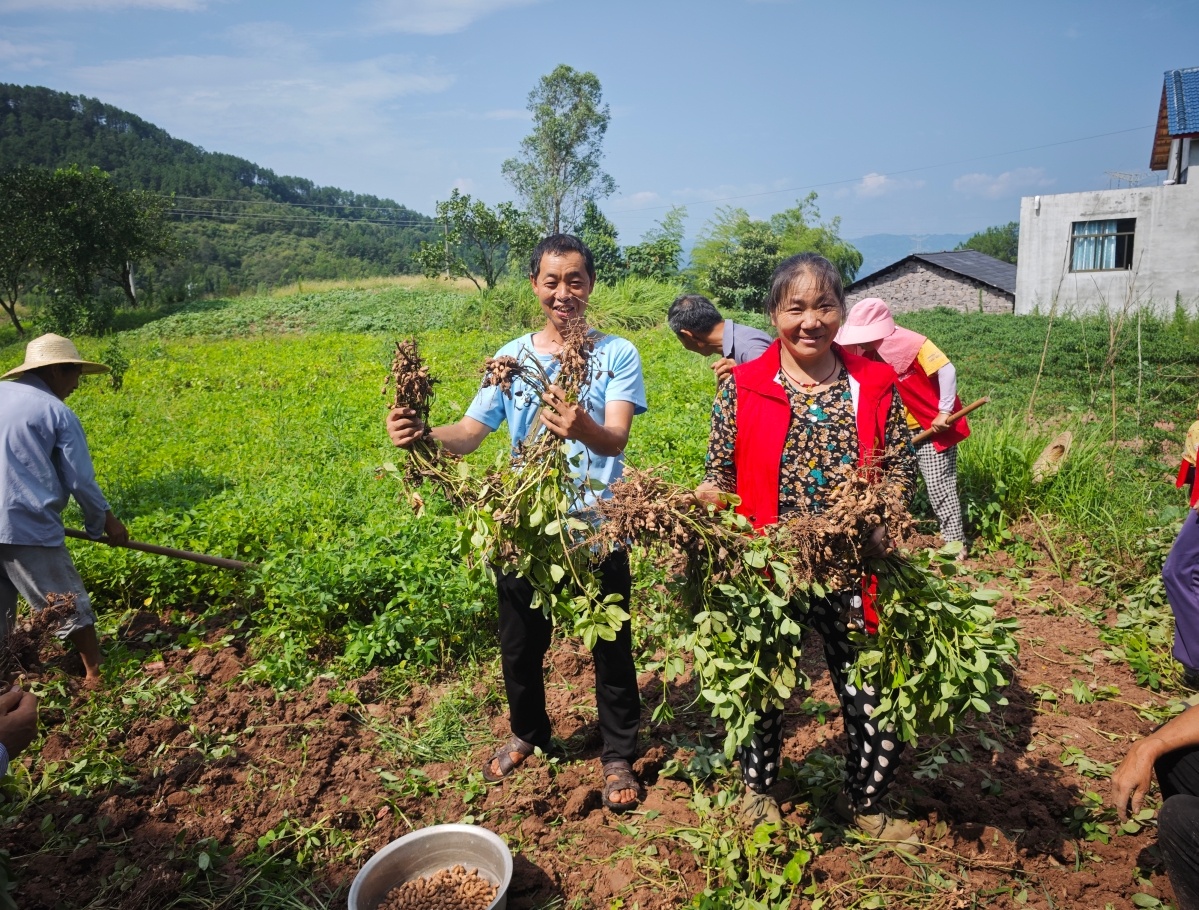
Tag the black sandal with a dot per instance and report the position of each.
(503, 759)
(622, 778)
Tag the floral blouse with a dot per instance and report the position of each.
(821, 445)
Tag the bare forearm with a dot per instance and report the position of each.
(602, 440)
(455, 438)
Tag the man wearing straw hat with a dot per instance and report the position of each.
(44, 460)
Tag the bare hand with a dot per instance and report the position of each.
(879, 545)
(723, 367)
(114, 530)
(1130, 783)
(710, 494)
(404, 427)
(941, 422)
(18, 720)
(563, 418)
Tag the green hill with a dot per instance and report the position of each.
(245, 226)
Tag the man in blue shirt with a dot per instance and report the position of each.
(562, 272)
(44, 461)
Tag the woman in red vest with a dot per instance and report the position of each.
(928, 387)
(786, 429)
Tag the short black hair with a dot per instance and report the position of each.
(823, 273)
(560, 245)
(693, 313)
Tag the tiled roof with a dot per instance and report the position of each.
(1177, 115)
(1182, 100)
(972, 264)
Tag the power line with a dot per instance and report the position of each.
(302, 205)
(910, 170)
(205, 213)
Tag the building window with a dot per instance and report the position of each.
(1100, 246)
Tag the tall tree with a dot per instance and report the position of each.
(1001, 241)
(558, 168)
(476, 241)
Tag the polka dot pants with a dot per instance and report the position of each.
(873, 753)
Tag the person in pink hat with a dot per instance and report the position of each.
(928, 387)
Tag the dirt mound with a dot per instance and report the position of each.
(238, 778)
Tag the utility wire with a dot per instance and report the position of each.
(204, 213)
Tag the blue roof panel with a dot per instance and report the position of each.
(1182, 100)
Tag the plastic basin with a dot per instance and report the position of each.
(428, 850)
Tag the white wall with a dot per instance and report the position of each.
(1165, 250)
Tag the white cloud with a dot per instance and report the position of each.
(98, 6)
(1008, 183)
(874, 185)
(463, 185)
(280, 94)
(30, 55)
(636, 200)
(434, 17)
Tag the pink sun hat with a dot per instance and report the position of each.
(869, 320)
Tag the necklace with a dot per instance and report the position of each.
(811, 385)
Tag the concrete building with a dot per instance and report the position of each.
(963, 280)
(1123, 248)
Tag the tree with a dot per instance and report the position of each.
(1001, 241)
(599, 234)
(96, 233)
(657, 255)
(71, 229)
(476, 241)
(734, 258)
(801, 231)
(735, 255)
(558, 168)
(24, 202)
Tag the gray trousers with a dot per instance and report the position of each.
(940, 473)
(34, 573)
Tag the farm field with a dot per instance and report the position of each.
(261, 735)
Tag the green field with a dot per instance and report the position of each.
(253, 428)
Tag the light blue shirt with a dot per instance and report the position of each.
(43, 462)
(616, 376)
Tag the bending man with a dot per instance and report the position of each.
(44, 461)
(702, 330)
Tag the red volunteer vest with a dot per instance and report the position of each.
(763, 416)
(921, 395)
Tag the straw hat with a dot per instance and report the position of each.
(48, 350)
(1052, 456)
(869, 320)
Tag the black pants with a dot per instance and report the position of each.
(873, 751)
(525, 637)
(1178, 822)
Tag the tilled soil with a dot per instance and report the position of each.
(316, 773)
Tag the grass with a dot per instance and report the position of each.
(252, 428)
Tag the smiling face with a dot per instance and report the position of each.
(562, 287)
(807, 319)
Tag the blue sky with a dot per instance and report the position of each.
(907, 118)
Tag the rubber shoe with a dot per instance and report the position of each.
(758, 809)
(877, 825)
(880, 826)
